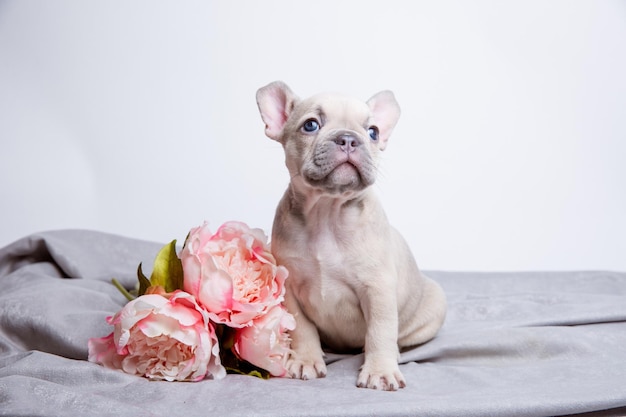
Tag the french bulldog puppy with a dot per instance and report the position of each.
(353, 282)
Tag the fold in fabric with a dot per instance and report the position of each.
(514, 344)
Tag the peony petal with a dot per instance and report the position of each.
(102, 351)
(266, 343)
(133, 312)
(216, 292)
(185, 315)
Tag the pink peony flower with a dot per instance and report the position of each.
(266, 343)
(232, 273)
(160, 337)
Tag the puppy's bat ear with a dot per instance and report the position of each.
(385, 114)
(275, 101)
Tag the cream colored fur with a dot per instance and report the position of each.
(353, 282)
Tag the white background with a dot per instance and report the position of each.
(139, 118)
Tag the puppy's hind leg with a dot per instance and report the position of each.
(429, 318)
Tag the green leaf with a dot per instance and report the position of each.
(168, 269)
(144, 282)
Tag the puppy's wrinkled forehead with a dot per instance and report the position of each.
(334, 111)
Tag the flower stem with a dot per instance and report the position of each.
(123, 290)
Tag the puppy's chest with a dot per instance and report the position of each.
(328, 271)
(332, 256)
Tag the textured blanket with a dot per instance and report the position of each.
(526, 344)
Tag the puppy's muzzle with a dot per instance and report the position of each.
(341, 162)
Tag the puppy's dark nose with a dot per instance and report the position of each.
(347, 142)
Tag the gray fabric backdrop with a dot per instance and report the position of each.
(526, 344)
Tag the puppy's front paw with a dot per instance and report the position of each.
(306, 366)
(381, 375)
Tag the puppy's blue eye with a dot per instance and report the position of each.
(373, 132)
(310, 126)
